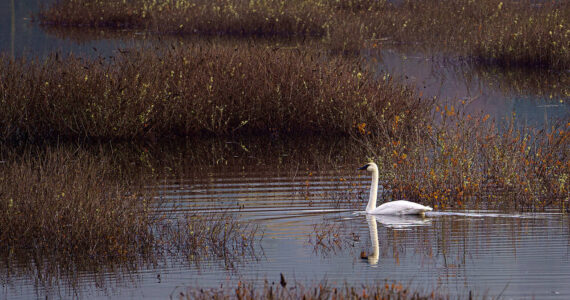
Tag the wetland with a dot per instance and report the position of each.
(208, 149)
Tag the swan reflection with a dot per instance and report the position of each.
(389, 221)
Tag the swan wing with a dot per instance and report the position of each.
(400, 207)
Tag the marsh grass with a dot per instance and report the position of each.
(190, 90)
(200, 236)
(246, 18)
(467, 161)
(329, 237)
(297, 290)
(505, 33)
(72, 205)
(66, 211)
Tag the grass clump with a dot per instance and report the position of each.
(296, 290)
(466, 161)
(74, 207)
(201, 235)
(243, 18)
(189, 90)
(70, 205)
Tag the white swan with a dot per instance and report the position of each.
(399, 207)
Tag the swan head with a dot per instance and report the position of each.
(370, 167)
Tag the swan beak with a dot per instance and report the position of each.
(363, 167)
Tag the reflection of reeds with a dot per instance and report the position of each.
(498, 32)
(192, 90)
(553, 85)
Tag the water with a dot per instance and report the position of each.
(488, 253)
(526, 255)
(535, 98)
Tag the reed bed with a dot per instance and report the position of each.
(190, 90)
(245, 18)
(61, 203)
(465, 161)
(75, 207)
(324, 290)
(505, 33)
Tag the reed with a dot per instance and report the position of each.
(58, 202)
(465, 161)
(505, 33)
(75, 207)
(244, 18)
(190, 90)
(324, 290)
(199, 236)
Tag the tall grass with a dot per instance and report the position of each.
(190, 90)
(324, 290)
(76, 207)
(506, 33)
(259, 18)
(465, 161)
(72, 205)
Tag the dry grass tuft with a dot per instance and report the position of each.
(78, 207)
(323, 290)
(72, 205)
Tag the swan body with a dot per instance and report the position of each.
(398, 207)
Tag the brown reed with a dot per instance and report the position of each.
(190, 90)
(72, 205)
(506, 33)
(323, 290)
(76, 207)
(466, 161)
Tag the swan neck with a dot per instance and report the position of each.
(373, 191)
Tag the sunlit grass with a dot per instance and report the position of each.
(465, 161)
